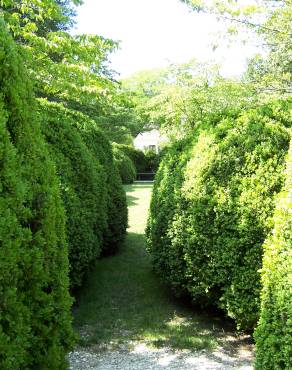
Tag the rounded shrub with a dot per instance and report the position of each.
(35, 320)
(96, 180)
(125, 166)
(117, 212)
(83, 186)
(274, 332)
(207, 239)
(136, 155)
(163, 208)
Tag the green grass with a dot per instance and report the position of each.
(122, 300)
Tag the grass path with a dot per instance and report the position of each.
(123, 303)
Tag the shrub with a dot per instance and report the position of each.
(125, 166)
(152, 161)
(163, 208)
(83, 185)
(136, 155)
(274, 332)
(95, 180)
(35, 320)
(117, 212)
(143, 162)
(211, 212)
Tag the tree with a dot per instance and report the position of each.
(65, 68)
(72, 70)
(271, 21)
(180, 97)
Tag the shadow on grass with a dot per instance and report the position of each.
(131, 200)
(123, 300)
(130, 188)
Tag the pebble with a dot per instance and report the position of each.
(141, 357)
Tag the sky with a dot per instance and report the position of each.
(154, 33)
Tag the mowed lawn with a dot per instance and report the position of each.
(123, 301)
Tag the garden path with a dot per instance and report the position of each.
(127, 319)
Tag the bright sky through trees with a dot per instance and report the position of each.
(156, 32)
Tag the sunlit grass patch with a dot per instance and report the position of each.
(181, 333)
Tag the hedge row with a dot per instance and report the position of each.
(92, 193)
(125, 165)
(117, 212)
(35, 320)
(274, 332)
(212, 210)
(136, 156)
(143, 162)
(60, 195)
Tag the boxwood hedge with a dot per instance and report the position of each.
(117, 212)
(91, 188)
(35, 320)
(143, 162)
(274, 332)
(83, 187)
(167, 261)
(125, 165)
(136, 155)
(212, 209)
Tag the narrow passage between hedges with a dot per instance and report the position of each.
(127, 319)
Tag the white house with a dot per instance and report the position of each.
(150, 140)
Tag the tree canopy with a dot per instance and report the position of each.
(271, 21)
(180, 97)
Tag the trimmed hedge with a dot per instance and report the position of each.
(168, 262)
(35, 320)
(92, 190)
(212, 209)
(143, 162)
(125, 166)
(136, 155)
(117, 211)
(274, 332)
(83, 186)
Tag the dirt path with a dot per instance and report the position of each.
(127, 319)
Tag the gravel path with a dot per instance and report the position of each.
(234, 354)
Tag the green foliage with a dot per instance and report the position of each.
(167, 261)
(125, 165)
(270, 22)
(182, 96)
(119, 120)
(101, 149)
(152, 160)
(30, 17)
(91, 187)
(83, 185)
(71, 69)
(65, 68)
(212, 207)
(136, 155)
(35, 320)
(274, 332)
(143, 162)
